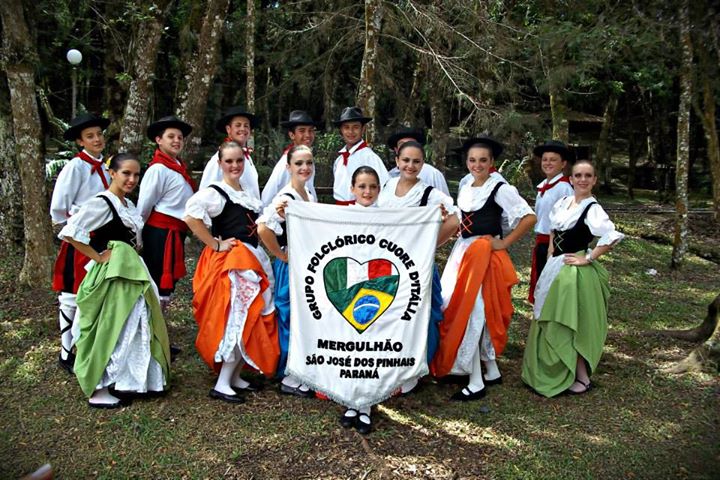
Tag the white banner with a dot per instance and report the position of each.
(360, 286)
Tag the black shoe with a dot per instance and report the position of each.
(68, 364)
(494, 381)
(348, 421)
(587, 386)
(461, 396)
(174, 352)
(363, 428)
(225, 397)
(109, 406)
(286, 390)
(251, 388)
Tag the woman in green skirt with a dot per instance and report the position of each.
(566, 338)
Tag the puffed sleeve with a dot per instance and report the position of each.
(67, 185)
(601, 226)
(440, 182)
(437, 197)
(275, 182)
(151, 190)
(210, 172)
(514, 206)
(92, 215)
(205, 205)
(271, 218)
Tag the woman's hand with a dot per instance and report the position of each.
(283, 257)
(575, 259)
(497, 243)
(104, 257)
(280, 208)
(225, 245)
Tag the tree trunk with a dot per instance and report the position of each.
(328, 82)
(604, 155)
(147, 41)
(558, 110)
(680, 242)
(11, 223)
(709, 351)
(366, 88)
(200, 74)
(21, 54)
(250, 55)
(634, 147)
(439, 116)
(411, 103)
(707, 114)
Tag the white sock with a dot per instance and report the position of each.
(290, 381)
(476, 378)
(65, 321)
(223, 382)
(103, 397)
(237, 380)
(409, 385)
(492, 371)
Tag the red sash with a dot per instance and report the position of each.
(164, 159)
(97, 166)
(346, 153)
(172, 271)
(548, 186)
(540, 239)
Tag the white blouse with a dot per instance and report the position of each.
(469, 179)
(163, 190)
(248, 180)
(563, 217)
(207, 203)
(544, 203)
(471, 199)
(75, 185)
(428, 174)
(95, 213)
(270, 216)
(388, 199)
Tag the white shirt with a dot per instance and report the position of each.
(280, 177)
(271, 218)
(563, 217)
(248, 180)
(207, 203)
(388, 199)
(429, 175)
(95, 213)
(469, 178)
(343, 173)
(163, 190)
(472, 199)
(75, 185)
(544, 203)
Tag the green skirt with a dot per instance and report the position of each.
(573, 322)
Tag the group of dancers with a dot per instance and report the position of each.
(112, 298)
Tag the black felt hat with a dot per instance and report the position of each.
(83, 121)
(495, 146)
(156, 128)
(352, 114)
(406, 132)
(555, 146)
(233, 112)
(298, 117)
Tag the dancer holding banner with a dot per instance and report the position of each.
(273, 233)
(354, 154)
(301, 130)
(479, 274)
(165, 188)
(554, 157)
(408, 190)
(232, 287)
(428, 174)
(80, 180)
(120, 334)
(566, 338)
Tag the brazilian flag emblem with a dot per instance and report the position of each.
(361, 292)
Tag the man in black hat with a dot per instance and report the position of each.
(554, 156)
(81, 179)
(356, 153)
(301, 130)
(428, 174)
(238, 124)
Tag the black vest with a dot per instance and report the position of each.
(282, 238)
(573, 239)
(234, 221)
(486, 221)
(115, 229)
(425, 196)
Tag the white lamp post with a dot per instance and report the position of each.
(74, 57)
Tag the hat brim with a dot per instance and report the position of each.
(362, 120)
(395, 137)
(496, 147)
(565, 153)
(225, 120)
(73, 133)
(155, 129)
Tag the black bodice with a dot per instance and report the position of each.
(485, 221)
(235, 221)
(115, 229)
(573, 239)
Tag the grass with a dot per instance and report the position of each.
(640, 422)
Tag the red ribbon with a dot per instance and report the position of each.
(172, 270)
(344, 202)
(346, 153)
(97, 166)
(548, 186)
(164, 159)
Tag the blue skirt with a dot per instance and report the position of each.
(436, 315)
(282, 311)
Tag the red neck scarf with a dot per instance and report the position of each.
(247, 151)
(97, 166)
(548, 185)
(346, 152)
(164, 159)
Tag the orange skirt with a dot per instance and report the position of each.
(494, 271)
(211, 307)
